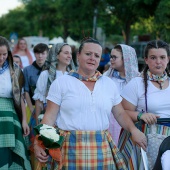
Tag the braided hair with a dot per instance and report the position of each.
(150, 45)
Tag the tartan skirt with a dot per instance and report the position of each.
(131, 152)
(90, 150)
(12, 144)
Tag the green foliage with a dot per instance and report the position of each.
(123, 18)
(15, 21)
(162, 20)
(128, 12)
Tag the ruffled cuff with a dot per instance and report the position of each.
(39, 96)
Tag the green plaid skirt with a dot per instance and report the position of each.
(12, 144)
(90, 150)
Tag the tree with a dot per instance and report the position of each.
(63, 17)
(162, 20)
(128, 12)
(15, 21)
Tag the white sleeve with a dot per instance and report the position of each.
(41, 87)
(55, 94)
(130, 92)
(117, 98)
(165, 160)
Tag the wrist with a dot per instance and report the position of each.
(139, 116)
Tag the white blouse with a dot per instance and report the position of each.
(5, 84)
(81, 109)
(41, 86)
(25, 60)
(157, 100)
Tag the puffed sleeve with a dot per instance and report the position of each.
(41, 87)
(55, 94)
(130, 91)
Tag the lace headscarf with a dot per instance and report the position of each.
(52, 61)
(130, 63)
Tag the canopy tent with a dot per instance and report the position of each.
(56, 40)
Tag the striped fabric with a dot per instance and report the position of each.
(11, 138)
(91, 150)
(131, 153)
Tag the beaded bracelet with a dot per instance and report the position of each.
(139, 115)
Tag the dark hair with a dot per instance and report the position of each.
(118, 48)
(165, 145)
(4, 42)
(40, 48)
(150, 45)
(17, 56)
(156, 44)
(88, 40)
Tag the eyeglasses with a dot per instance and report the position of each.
(113, 57)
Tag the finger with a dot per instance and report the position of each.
(142, 145)
(42, 153)
(42, 160)
(41, 156)
(154, 120)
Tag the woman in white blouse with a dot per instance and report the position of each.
(56, 65)
(80, 104)
(13, 124)
(124, 66)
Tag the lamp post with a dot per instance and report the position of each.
(95, 22)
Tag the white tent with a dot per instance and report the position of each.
(56, 40)
(70, 41)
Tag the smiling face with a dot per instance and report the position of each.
(157, 60)
(116, 60)
(65, 55)
(89, 59)
(3, 54)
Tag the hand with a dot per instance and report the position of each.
(40, 154)
(149, 118)
(139, 138)
(26, 128)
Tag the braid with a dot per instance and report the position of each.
(145, 85)
(154, 44)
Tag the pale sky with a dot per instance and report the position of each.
(6, 5)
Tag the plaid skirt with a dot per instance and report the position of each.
(12, 144)
(90, 150)
(131, 153)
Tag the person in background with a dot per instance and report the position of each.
(17, 60)
(56, 65)
(31, 74)
(124, 67)
(104, 60)
(74, 55)
(147, 98)
(22, 50)
(13, 124)
(75, 103)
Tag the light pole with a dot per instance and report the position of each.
(95, 22)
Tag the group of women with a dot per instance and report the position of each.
(83, 104)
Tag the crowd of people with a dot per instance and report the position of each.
(96, 110)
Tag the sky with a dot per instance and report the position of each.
(6, 5)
